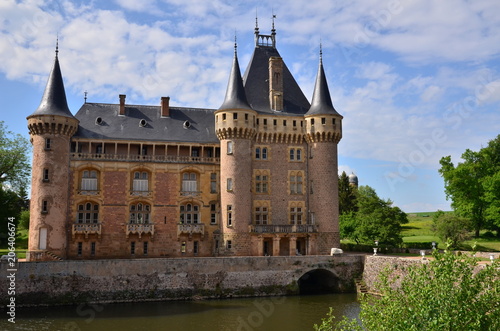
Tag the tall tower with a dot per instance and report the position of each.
(235, 128)
(51, 126)
(323, 133)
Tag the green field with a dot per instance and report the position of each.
(419, 229)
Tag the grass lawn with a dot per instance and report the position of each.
(21, 244)
(419, 229)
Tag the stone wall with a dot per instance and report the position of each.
(73, 282)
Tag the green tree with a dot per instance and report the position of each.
(375, 219)
(347, 195)
(449, 292)
(451, 228)
(14, 160)
(474, 186)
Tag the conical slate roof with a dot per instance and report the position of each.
(235, 93)
(321, 102)
(54, 98)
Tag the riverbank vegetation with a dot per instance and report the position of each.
(449, 292)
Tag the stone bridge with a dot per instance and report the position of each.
(73, 282)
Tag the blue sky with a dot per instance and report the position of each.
(414, 79)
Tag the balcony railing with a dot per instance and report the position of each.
(140, 229)
(191, 229)
(285, 228)
(86, 229)
(141, 158)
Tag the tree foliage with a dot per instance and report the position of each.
(14, 160)
(347, 195)
(449, 292)
(474, 185)
(375, 219)
(451, 228)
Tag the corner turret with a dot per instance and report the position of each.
(51, 127)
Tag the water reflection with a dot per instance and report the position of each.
(274, 313)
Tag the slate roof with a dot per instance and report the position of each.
(321, 102)
(256, 82)
(235, 94)
(118, 127)
(54, 97)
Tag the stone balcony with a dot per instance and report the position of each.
(191, 229)
(140, 229)
(86, 229)
(285, 228)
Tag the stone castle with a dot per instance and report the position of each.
(256, 177)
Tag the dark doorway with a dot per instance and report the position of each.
(319, 281)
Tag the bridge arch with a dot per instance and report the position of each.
(319, 281)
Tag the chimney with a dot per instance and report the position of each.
(276, 83)
(165, 107)
(122, 104)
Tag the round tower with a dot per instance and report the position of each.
(323, 133)
(51, 126)
(235, 128)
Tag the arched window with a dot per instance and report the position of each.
(140, 213)
(140, 183)
(189, 214)
(189, 182)
(88, 213)
(89, 180)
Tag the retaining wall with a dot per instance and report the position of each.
(72, 282)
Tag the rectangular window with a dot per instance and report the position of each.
(213, 213)
(292, 154)
(229, 184)
(229, 215)
(189, 182)
(45, 175)
(275, 122)
(284, 122)
(323, 120)
(229, 244)
(333, 121)
(132, 248)
(299, 155)
(224, 117)
(257, 153)
(296, 184)
(261, 215)
(235, 116)
(230, 147)
(92, 249)
(145, 248)
(265, 121)
(45, 206)
(261, 183)
(264, 153)
(183, 247)
(246, 117)
(48, 143)
(213, 182)
(195, 247)
(312, 121)
(80, 249)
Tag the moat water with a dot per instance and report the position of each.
(273, 313)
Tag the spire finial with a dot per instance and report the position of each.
(273, 29)
(85, 96)
(57, 44)
(235, 44)
(320, 51)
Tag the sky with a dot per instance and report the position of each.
(415, 80)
